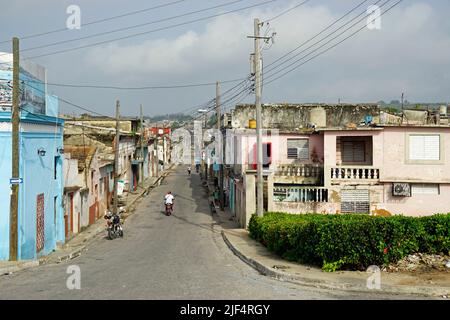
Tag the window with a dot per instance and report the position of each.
(355, 201)
(425, 188)
(353, 151)
(55, 210)
(55, 168)
(424, 147)
(298, 149)
(92, 181)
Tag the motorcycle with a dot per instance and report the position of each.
(169, 209)
(114, 226)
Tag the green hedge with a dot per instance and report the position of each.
(350, 241)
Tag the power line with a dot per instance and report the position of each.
(98, 21)
(70, 103)
(318, 34)
(286, 11)
(211, 102)
(321, 46)
(328, 49)
(130, 27)
(134, 88)
(151, 31)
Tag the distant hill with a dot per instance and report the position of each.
(178, 117)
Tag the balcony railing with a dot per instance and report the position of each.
(299, 170)
(355, 173)
(300, 194)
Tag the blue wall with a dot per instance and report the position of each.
(38, 178)
(5, 191)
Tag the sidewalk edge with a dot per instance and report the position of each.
(318, 283)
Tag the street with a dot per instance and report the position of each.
(178, 257)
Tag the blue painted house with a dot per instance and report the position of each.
(40, 219)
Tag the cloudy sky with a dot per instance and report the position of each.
(410, 52)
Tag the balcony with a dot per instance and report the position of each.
(355, 173)
(299, 174)
(300, 194)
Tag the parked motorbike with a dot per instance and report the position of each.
(114, 226)
(169, 209)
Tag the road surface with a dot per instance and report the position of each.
(178, 257)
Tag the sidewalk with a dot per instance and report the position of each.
(436, 284)
(75, 246)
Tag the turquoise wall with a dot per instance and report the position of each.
(35, 170)
(38, 173)
(5, 175)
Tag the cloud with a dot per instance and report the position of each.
(409, 53)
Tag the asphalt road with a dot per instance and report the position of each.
(178, 257)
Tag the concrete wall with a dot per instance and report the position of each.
(294, 116)
(416, 205)
(394, 156)
(245, 199)
(245, 148)
(34, 169)
(93, 180)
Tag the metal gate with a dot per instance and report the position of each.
(355, 201)
(40, 225)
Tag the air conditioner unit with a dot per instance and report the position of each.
(401, 189)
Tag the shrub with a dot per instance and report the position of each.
(350, 241)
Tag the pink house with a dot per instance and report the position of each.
(385, 166)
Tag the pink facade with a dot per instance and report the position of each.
(358, 171)
(245, 148)
(390, 156)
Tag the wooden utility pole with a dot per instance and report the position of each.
(15, 119)
(257, 68)
(142, 149)
(116, 157)
(219, 145)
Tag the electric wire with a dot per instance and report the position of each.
(149, 31)
(98, 21)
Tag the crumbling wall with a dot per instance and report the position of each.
(298, 116)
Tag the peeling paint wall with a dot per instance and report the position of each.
(295, 116)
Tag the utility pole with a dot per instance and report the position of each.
(142, 149)
(219, 145)
(15, 119)
(402, 100)
(257, 68)
(116, 157)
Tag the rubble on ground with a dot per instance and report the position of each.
(420, 262)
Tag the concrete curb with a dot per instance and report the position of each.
(19, 267)
(319, 283)
(71, 255)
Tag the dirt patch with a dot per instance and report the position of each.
(431, 264)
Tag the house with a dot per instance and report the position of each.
(339, 159)
(101, 134)
(92, 202)
(40, 212)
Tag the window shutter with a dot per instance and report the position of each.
(425, 189)
(355, 201)
(298, 149)
(424, 147)
(353, 151)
